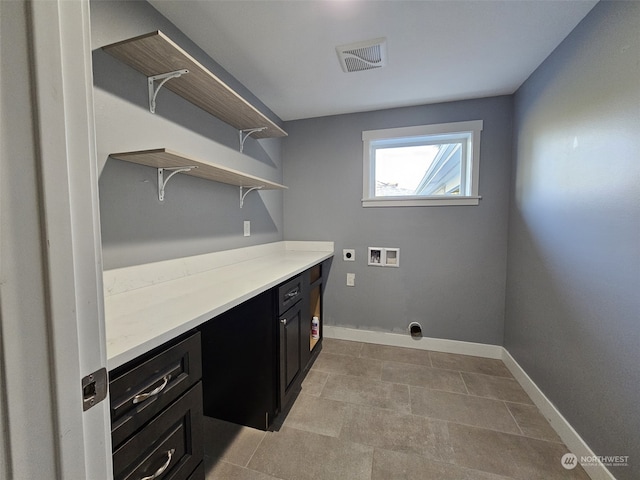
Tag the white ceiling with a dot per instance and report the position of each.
(284, 50)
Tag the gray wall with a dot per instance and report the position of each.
(573, 280)
(197, 215)
(452, 259)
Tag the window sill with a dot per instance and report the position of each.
(421, 201)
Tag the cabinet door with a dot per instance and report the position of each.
(239, 363)
(290, 359)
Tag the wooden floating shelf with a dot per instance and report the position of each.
(162, 158)
(156, 54)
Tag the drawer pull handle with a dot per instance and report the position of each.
(284, 322)
(141, 397)
(292, 293)
(161, 470)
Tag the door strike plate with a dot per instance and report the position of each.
(94, 389)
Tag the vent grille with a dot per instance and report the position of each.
(367, 55)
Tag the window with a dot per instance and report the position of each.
(423, 165)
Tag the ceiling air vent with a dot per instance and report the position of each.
(360, 56)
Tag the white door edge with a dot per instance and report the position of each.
(63, 96)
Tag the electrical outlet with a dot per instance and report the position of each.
(247, 228)
(348, 255)
(351, 279)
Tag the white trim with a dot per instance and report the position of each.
(405, 340)
(443, 201)
(383, 257)
(417, 130)
(470, 130)
(63, 93)
(563, 428)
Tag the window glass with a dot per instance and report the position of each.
(418, 170)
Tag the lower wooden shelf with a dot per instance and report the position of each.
(162, 158)
(165, 158)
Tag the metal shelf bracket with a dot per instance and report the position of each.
(165, 77)
(242, 196)
(246, 133)
(162, 182)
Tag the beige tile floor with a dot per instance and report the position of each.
(373, 412)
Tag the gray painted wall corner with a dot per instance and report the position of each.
(574, 240)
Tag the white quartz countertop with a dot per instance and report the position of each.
(147, 305)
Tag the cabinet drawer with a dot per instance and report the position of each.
(199, 473)
(142, 391)
(289, 293)
(170, 444)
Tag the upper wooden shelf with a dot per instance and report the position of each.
(156, 54)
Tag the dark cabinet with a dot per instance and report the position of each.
(291, 296)
(256, 355)
(290, 327)
(156, 414)
(169, 446)
(244, 366)
(314, 280)
(140, 391)
(239, 350)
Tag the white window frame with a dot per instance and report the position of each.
(469, 131)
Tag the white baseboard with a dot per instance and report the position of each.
(569, 436)
(424, 343)
(563, 428)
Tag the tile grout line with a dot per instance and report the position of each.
(373, 454)
(255, 450)
(344, 420)
(559, 441)
(324, 384)
(473, 395)
(261, 473)
(426, 387)
(410, 401)
(385, 382)
(422, 365)
(481, 428)
(436, 419)
(464, 383)
(470, 395)
(514, 418)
